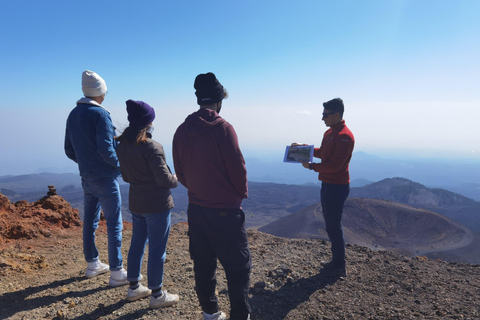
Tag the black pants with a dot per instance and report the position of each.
(220, 233)
(333, 198)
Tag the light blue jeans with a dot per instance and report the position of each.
(104, 193)
(153, 228)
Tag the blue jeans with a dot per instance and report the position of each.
(333, 198)
(105, 193)
(153, 228)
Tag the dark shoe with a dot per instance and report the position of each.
(333, 271)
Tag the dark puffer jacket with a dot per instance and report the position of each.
(144, 167)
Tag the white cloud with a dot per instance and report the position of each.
(304, 113)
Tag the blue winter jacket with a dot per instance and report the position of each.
(89, 140)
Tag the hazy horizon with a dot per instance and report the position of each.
(65, 165)
(269, 167)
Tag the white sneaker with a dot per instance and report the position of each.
(118, 278)
(165, 300)
(139, 293)
(216, 316)
(95, 268)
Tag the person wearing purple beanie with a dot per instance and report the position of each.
(143, 166)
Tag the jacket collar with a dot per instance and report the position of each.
(85, 100)
(339, 126)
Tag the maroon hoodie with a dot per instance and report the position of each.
(208, 161)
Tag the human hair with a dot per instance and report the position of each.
(335, 105)
(212, 105)
(132, 135)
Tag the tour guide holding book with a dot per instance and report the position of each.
(335, 153)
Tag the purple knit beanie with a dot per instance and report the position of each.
(140, 114)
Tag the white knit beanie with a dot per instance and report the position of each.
(92, 84)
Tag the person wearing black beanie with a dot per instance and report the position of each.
(208, 89)
(209, 163)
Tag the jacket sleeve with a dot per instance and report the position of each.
(341, 155)
(105, 140)
(235, 163)
(177, 160)
(160, 170)
(69, 151)
(122, 168)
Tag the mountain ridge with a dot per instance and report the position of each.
(269, 202)
(385, 225)
(452, 205)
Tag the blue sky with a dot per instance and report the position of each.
(408, 71)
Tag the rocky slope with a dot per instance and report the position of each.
(43, 278)
(382, 224)
(455, 206)
(24, 220)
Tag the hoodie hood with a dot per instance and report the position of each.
(202, 121)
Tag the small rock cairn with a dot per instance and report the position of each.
(51, 191)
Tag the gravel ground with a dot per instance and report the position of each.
(46, 280)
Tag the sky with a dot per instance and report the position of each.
(407, 70)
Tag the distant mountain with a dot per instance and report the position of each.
(39, 182)
(439, 173)
(453, 205)
(470, 190)
(266, 202)
(269, 202)
(382, 224)
(360, 183)
(432, 172)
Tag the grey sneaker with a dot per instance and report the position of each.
(216, 316)
(165, 300)
(139, 293)
(95, 268)
(118, 278)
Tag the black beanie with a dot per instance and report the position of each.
(209, 90)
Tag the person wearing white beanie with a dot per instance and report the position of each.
(93, 85)
(89, 141)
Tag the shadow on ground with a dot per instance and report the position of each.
(270, 305)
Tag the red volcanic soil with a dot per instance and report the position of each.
(41, 219)
(48, 225)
